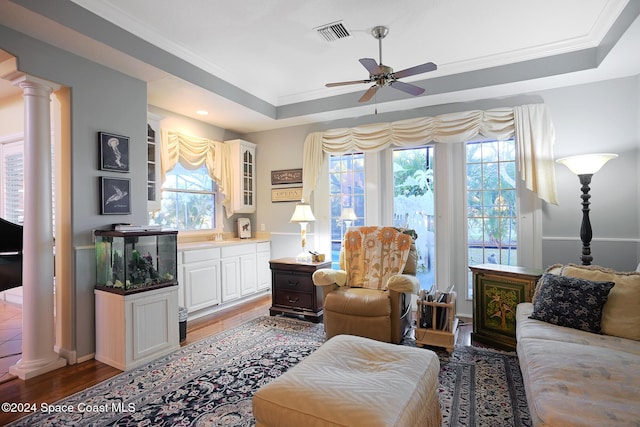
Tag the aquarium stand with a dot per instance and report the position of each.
(133, 329)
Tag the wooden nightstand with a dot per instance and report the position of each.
(293, 291)
(497, 290)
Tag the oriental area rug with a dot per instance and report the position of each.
(211, 383)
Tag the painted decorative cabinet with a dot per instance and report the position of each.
(243, 160)
(497, 290)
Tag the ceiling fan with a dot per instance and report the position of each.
(384, 75)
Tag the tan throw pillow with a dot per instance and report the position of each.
(621, 313)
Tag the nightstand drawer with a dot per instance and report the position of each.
(294, 299)
(293, 281)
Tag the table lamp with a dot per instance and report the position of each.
(303, 215)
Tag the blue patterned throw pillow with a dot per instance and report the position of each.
(571, 302)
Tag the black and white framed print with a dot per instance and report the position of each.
(114, 152)
(115, 196)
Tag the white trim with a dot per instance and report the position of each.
(595, 239)
(14, 137)
(69, 355)
(373, 212)
(89, 356)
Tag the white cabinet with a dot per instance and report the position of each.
(231, 278)
(154, 191)
(238, 271)
(213, 275)
(243, 161)
(263, 256)
(248, 275)
(132, 330)
(201, 276)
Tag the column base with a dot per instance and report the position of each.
(34, 369)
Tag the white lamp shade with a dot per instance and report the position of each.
(586, 163)
(348, 214)
(302, 213)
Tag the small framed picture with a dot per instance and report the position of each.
(288, 194)
(114, 152)
(115, 196)
(286, 176)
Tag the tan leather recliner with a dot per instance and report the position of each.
(352, 305)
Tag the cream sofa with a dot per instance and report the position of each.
(578, 378)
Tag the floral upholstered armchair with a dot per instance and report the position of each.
(371, 295)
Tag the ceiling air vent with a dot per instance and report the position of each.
(334, 31)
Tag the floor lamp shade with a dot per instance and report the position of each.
(303, 215)
(585, 166)
(586, 163)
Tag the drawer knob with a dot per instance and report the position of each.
(292, 284)
(292, 300)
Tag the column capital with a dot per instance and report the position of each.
(26, 81)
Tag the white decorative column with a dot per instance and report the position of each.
(38, 355)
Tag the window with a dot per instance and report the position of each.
(346, 191)
(12, 182)
(188, 200)
(414, 204)
(492, 229)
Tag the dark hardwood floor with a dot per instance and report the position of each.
(63, 382)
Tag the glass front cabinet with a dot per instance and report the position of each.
(243, 160)
(154, 186)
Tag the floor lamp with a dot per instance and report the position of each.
(348, 215)
(585, 166)
(303, 215)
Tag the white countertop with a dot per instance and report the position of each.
(218, 243)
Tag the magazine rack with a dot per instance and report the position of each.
(437, 324)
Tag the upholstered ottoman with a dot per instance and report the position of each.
(354, 381)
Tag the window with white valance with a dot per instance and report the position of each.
(194, 152)
(531, 126)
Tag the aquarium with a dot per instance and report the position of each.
(135, 261)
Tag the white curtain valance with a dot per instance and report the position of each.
(530, 124)
(193, 152)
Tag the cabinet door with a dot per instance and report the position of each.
(202, 284)
(248, 276)
(263, 270)
(230, 278)
(181, 284)
(248, 179)
(154, 323)
(154, 192)
(243, 159)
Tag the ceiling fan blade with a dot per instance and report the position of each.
(406, 87)
(352, 82)
(418, 69)
(371, 65)
(368, 94)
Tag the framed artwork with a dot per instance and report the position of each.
(114, 152)
(290, 194)
(115, 196)
(286, 176)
